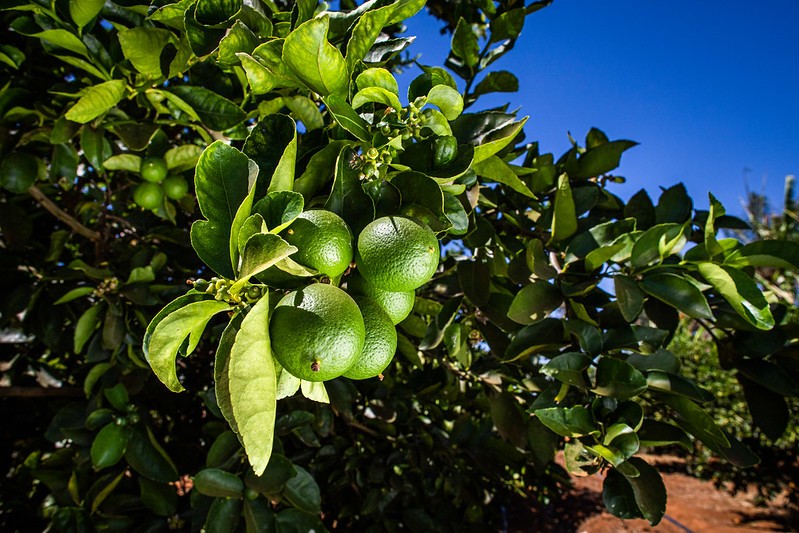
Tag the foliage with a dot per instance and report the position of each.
(545, 326)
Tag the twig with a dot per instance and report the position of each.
(62, 215)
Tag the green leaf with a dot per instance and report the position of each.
(314, 390)
(222, 369)
(224, 450)
(629, 297)
(128, 162)
(464, 43)
(74, 294)
(306, 111)
(87, 323)
(347, 118)
(647, 488)
(538, 261)
(655, 433)
(712, 246)
(674, 205)
(447, 99)
(271, 482)
(377, 77)
(696, 421)
(222, 181)
(498, 139)
(266, 70)
(183, 157)
(143, 46)
(279, 209)
(347, 198)
(314, 60)
(618, 379)
(272, 144)
(365, 33)
(223, 516)
(253, 386)
(675, 384)
(534, 302)
(83, 11)
(602, 159)
(766, 253)
(261, 252)
(769, 410)
(568, 421)
(376, 95)
(170, 333)
(239, 38)
(109, 446)
(508, 419)
(564, 218)
(657, 243)
(500, 81)
(97, 100)
(678, 292)
(160, 498)
(741, 292)
(258, 516)
(215, 111)
(218, 483)
(475, 281)
(303, 492)
(495, 169)
(148, 458)
(769, 375)
(569, 368)
(319, 170)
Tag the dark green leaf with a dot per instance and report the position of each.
(109, 446)
(678, 292)
(564, 218)
(224, 515)
(97, 100)
(347, 118)
(534, 302)
(474, 280)
(618, 379)
(569, 368)
(464, 43)
(741, 292)
(347, 198)
(674, 205)
(215, 111)
(657, 243)
(568, 421)
(272, 144)
(602, 159)
(766, 253)
(508, 419)
(629, 297)
(218, 483)
(303, 492)
(769, 410)
(146, 457)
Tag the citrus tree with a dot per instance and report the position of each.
(398, 309)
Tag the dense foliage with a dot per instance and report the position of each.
(145, 146)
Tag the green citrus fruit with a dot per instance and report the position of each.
(175, 187)
(317, 332)
(153, 169)
(323, 240)
(445, 150)
(397, 254)
(380, 343)
(397, 305)
(148, 195)
(18, 171)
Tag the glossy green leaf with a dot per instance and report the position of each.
(501, 133)
(675, 384)
(712, 246)
(215, 111)
(347, 118)
(741, 292)
(364, 34)
(629, 297)
(239, 38)
(618, 379)
(222, 369)
(569, 368)
(534, 302)
(265, 68)
(657, 243)
(678, 292)
(766, 253)
(769, 409)
(272, 144)
(170, 333)
(567, 421)
(109, 446)
(564, 218)
(314, 390)
(464, 43)
(447, 99)
(306, 111)
(148, 458)
(223, 516)
(279, 209)
(377, 77)
(314, 60)
(377, 95)
(655, 433)
(160, 498)
(253, 386)
(143, 46)
(259, 516)
(218, 483)
(643, 495)
(497, 170)
(87, 324)
(128, 162)
(500, 81)
(83, 11)
(347, 198)
(475, 281)
(303, 492)
(225, 449)
(222, 181)
(97, 100)
(602, 159)
(674, 205)
(261, 252)
(183, 157)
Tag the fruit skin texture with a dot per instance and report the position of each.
(148, 195)
(153, 169)
(398, 305)
(317, 332)
(323, 239)
(380, 344)
(397, 254)
(175, 187)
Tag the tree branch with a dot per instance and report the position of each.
(62, 215)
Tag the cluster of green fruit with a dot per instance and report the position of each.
(157, 184)
(320, 331)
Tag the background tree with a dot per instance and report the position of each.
(544, 327)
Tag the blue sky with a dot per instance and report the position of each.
(709, 88)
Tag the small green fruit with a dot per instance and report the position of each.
(175, 187)
(153, 169)
(148, 195)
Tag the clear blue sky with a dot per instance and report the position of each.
(707, 87)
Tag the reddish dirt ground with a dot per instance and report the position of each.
(693, 506)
